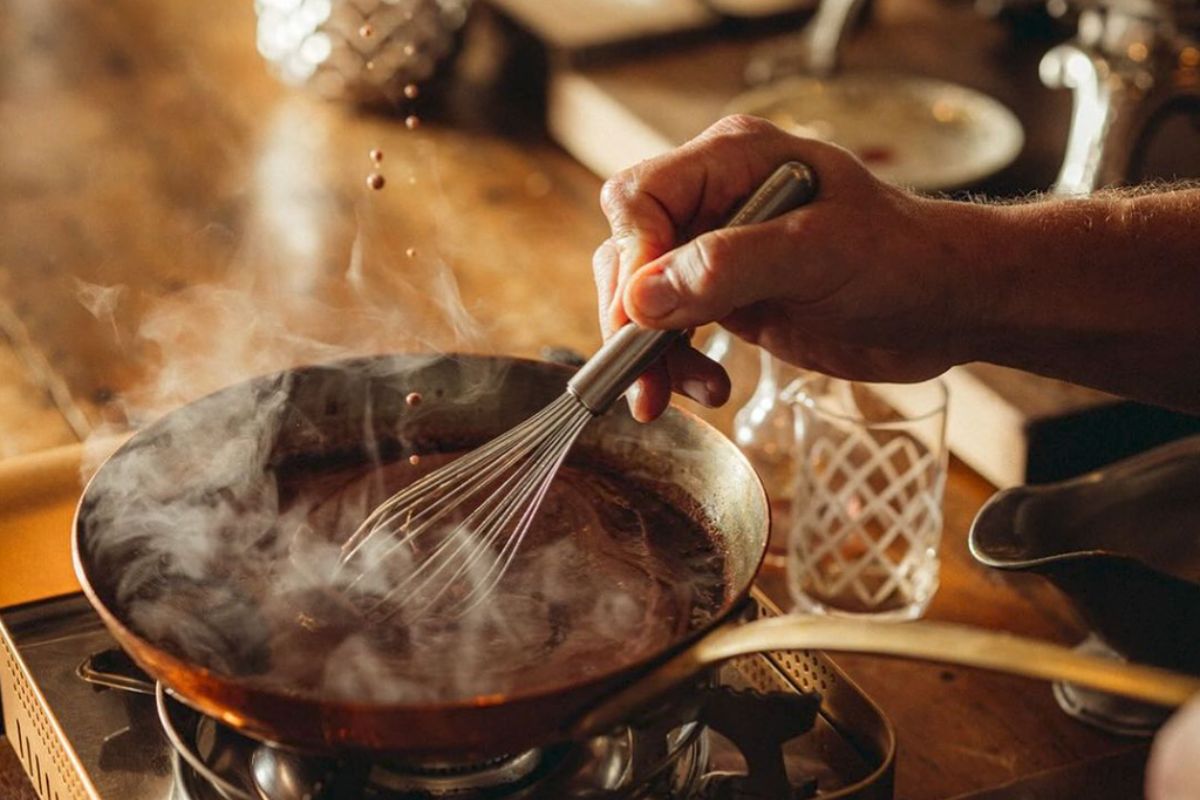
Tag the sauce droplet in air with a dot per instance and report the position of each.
(411, 91)
(412, 121)
(414, 459)
(376, 155)
(376, 181)
(366, 31)
(413, 399)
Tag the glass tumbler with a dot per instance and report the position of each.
(867, 496)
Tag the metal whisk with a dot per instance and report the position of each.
(459, 528)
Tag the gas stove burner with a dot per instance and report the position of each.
(213, 762)
(661, 756)
(661, 759)
(282, 775)
(442, 778)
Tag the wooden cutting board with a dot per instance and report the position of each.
(574, 29)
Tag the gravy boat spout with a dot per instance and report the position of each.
(1123, 543)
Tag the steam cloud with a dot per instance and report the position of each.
(215, 555)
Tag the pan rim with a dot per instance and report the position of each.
(592, 687)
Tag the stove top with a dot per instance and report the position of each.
(82, 741)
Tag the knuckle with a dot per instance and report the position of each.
(619, 194)
(710, 255)
(741, 125)
(604, 256)
(616, 191)
(839, 164)
(630, 201)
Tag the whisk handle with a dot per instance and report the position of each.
(628, 352)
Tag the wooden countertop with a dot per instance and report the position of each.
(167, 209)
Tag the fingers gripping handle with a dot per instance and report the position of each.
(790, 186)
(627, 354)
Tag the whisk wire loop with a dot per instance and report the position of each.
(509, 475)
(511, 445)
(509, 495)
(473, 515)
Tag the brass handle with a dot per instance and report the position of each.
(628, 352)
(931, 641)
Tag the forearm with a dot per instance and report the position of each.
(1103, 291)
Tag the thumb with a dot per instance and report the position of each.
(715, 274)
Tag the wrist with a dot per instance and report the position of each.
(973, 273)
(1046, 286)
(1006, 257)
(1100, 291)
(1025, 265)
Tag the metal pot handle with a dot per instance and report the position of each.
(923, 639)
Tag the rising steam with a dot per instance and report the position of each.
(209, 537)
(216, 533)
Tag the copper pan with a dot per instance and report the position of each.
(323, 411)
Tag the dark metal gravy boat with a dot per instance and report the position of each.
(1123, 543)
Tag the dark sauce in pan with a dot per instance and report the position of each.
(610, 574)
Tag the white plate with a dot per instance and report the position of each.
(917, 132)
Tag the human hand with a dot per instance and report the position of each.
(1173, 772)
(856, 284)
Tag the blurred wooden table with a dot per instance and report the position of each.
(171, 219)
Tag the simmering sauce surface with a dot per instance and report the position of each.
(610, 574)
